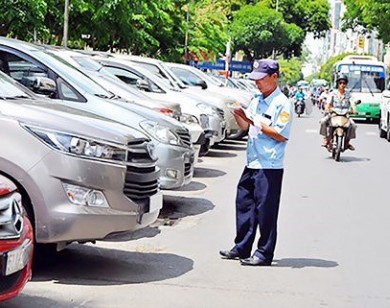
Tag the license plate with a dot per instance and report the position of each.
(155, 202)
(16, 259)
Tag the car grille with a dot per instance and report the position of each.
(8, 283)
(204, 121)
(187, 169)
(142, 175)
(11, 216)
(221, 114)
(185, 137)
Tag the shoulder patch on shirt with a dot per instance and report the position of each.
(284, 116)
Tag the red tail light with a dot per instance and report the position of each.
(5, 190)
(166, 111)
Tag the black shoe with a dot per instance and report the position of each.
(229, 254)
(255, 261)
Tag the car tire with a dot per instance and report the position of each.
(239, 135)
(382, 133)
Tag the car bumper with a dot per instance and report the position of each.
(176, 165)
(11, 285)
(218, 129)
(59, 220)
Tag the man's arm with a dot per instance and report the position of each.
(243, 122)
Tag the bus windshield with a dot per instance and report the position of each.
(364, 78)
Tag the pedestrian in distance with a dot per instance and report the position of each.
(268, 120)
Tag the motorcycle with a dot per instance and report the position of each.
(299, 106)
(338, 126)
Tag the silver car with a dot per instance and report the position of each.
(82, 177)
(35, 67)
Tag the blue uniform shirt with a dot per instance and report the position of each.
(264, 152)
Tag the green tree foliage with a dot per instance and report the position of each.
(208, 27)
(371, 14)
(20, 18)
(327, 70)
(261, 28)
(158, 28)
(290, 70)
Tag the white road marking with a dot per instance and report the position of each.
(312, 131)
(371, 133)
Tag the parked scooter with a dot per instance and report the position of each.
(299, 106)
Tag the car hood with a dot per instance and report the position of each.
(62, 118)
(150, 114)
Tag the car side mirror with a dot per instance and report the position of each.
(40, 85)
(202, 84)
(143, 85)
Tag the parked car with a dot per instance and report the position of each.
(134, 75)
(82, 177)
(384, 119)
(192, 76)
(158, 68)
(16, 242)
(37, 69)
(113, 84)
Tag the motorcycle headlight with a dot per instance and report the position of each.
(78, 145)
(159, 132)
(188, 119)
(207, 109)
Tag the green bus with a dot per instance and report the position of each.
(366, 81)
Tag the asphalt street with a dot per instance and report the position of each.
(333, 242)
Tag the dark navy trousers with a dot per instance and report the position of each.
(257, 205)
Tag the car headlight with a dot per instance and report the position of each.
(78, 145)
(79, 195)
(161, 133)
(207, 109)
(188, 119)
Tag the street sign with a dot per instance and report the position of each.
(235, 66)
(361, 42)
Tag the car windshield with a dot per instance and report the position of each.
(8, 89)
(71, 73)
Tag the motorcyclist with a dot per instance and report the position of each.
(299, 94)
(323, 97)
(339, 98)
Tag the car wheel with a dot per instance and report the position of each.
(239, 135)
(382, 132)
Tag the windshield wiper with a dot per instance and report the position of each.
(105, 96)
(14, 97)
(369, 88)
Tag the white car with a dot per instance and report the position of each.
(384, 120)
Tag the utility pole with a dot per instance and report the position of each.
(273, 49)
(186, 35)
(66, 23)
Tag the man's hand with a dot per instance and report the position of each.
(239, 112)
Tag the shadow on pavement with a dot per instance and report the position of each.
(350, 159)
(207, 173)
(90, 266)
(304, 262)
(192, 186)
(214, 153)
(224, 147)
(24, 300)
(175, 207)
(235, 142)
(149, 231)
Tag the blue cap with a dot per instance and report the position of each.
(263, 68)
